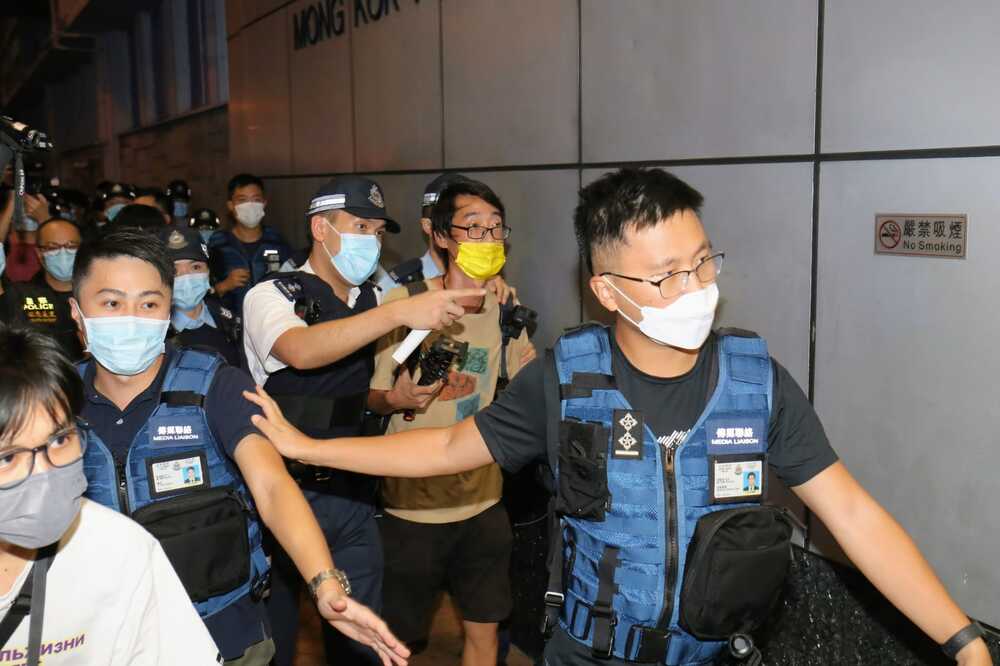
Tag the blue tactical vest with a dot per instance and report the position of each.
(621, 575)
(177, 430)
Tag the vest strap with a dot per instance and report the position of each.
(414, 288)
(653, 644)
(554, 595)
(602, 612)
(584, 384)
(182, 399)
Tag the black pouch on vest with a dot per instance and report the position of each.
(736, 566)
(583, 470)
(204, 535)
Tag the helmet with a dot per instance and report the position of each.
(204, 218)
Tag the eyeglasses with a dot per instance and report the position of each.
(674, 283)
(61, 450)
(476, 232)
(52, 247)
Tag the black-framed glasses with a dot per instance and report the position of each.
(672, 284)
(53, 247)
(476, 232)
(62, 449)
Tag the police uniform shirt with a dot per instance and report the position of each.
(514, 426)
(267, 314)
(427, 267)
(203, 332)
(229, 420)
(112, 598)
(40, 305)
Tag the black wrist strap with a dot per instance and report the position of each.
(962, 638)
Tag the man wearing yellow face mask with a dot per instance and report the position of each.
(430, 524)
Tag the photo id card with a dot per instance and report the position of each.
(738, 478)
(183, 472)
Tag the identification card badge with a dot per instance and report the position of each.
(175, 430)
(170, 474)
(737, 478)
(627, 433)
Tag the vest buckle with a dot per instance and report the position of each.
(550, 617)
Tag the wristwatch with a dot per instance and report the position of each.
(962, 638)
(326, 575)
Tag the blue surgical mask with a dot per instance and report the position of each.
(113, 210)
(3, 259)
(358, 256)
(125, 345)
(28, 224)
(180, 208)
(190, 290)
(59, 263)
(206, 234)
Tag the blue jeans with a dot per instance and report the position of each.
(350, 530)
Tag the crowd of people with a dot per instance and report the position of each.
(198, 423)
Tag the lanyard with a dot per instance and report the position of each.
(30, 601)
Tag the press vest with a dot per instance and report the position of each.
(622, 570)
(175, 461)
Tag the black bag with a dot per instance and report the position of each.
(204, 534)
(736, 566)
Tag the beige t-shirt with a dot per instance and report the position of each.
(470, 387)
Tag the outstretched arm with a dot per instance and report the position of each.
(414, 453)
(888, 557)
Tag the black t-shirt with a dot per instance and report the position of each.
(514, 426)
(38, 304)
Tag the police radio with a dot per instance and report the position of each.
(435, 363)
(272, 260)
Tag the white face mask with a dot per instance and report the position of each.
(685, 323)
(250, 213)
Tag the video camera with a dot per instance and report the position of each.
(17, 140)
(435, 363)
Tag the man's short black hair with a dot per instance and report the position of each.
(34, 371)
(127, 242)
(444, 210)
(242, 180)
(140, 216)
(628, 199)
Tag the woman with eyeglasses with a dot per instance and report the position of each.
(79, 583)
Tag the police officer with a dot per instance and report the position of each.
(153, 411)
(244, 254)
(429, 265)
(309, 338)
(653, 427)
(157, 198)
(112, 199)
(198, 318)
(44, 301)
(205, 222)
(179, 198)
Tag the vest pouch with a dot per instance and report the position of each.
(204, 534)
(583, 470)
(737, 562)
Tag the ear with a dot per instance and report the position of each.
(231, 208)
(264, 202)
(440, 241)
(603, 292)
(74, 311)
(425, 224)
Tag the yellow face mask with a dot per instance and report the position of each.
(480, 261)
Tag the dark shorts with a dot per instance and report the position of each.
(470, 559)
